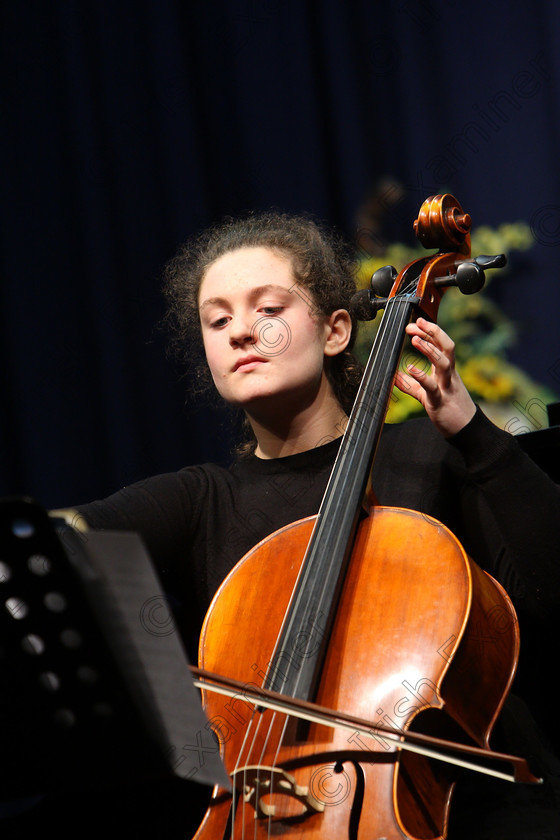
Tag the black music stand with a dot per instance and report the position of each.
(95, 688)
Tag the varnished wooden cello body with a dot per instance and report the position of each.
(377, 612)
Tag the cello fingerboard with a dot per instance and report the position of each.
(307, 626)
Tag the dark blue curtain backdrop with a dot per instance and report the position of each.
(127, 127)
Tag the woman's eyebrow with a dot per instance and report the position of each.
(218, 301)
(253, 294)
(269, 287)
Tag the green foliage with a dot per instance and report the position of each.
(482, 333)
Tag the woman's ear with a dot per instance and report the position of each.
(338, 327)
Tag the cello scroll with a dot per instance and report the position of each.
(441, 224)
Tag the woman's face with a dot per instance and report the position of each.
(265, 345)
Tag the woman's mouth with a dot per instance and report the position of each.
(248, 363)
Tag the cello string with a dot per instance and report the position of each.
(258, 762)
(385, 328)
(252, 728)
(234, 795)
(380, 347)
(387, 338)
(273, 765)
(392, 304)
(384, 342)
(274, 760)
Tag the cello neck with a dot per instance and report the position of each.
(298, 657)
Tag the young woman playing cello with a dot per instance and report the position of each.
(267, 298)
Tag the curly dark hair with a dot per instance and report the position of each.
(323, 264)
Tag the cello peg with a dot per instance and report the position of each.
(469, 277)
(495, 261)
(382, 280)
(366, 303)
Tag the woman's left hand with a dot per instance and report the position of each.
(441, 391)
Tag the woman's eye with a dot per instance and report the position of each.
(219, 322)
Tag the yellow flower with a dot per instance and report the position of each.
(402, 406)
(365, 270)
(489, 378)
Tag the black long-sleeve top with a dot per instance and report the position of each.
(198, 522)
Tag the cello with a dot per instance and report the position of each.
(373, 615)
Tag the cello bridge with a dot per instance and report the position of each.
(273, 793)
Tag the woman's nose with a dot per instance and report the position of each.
(241, 330)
